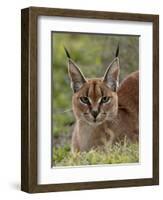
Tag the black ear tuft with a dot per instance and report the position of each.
(67, 53)
(117, 51)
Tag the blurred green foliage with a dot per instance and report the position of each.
(92, 53)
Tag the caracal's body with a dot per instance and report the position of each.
(104, 111)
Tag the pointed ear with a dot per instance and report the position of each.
(76, 76)
(111, 77)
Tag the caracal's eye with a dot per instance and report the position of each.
(84, 100)
(105, 99)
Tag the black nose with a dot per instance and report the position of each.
(94, 113)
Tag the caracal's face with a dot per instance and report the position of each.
(95, 102)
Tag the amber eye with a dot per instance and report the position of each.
(84, 100)
(105, 99)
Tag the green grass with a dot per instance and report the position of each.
(119, 153)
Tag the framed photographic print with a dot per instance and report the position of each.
(90, 99)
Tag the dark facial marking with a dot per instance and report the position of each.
(94, 88)
(102, 93)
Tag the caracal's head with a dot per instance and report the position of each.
(94, 100)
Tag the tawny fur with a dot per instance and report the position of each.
(116, 119)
